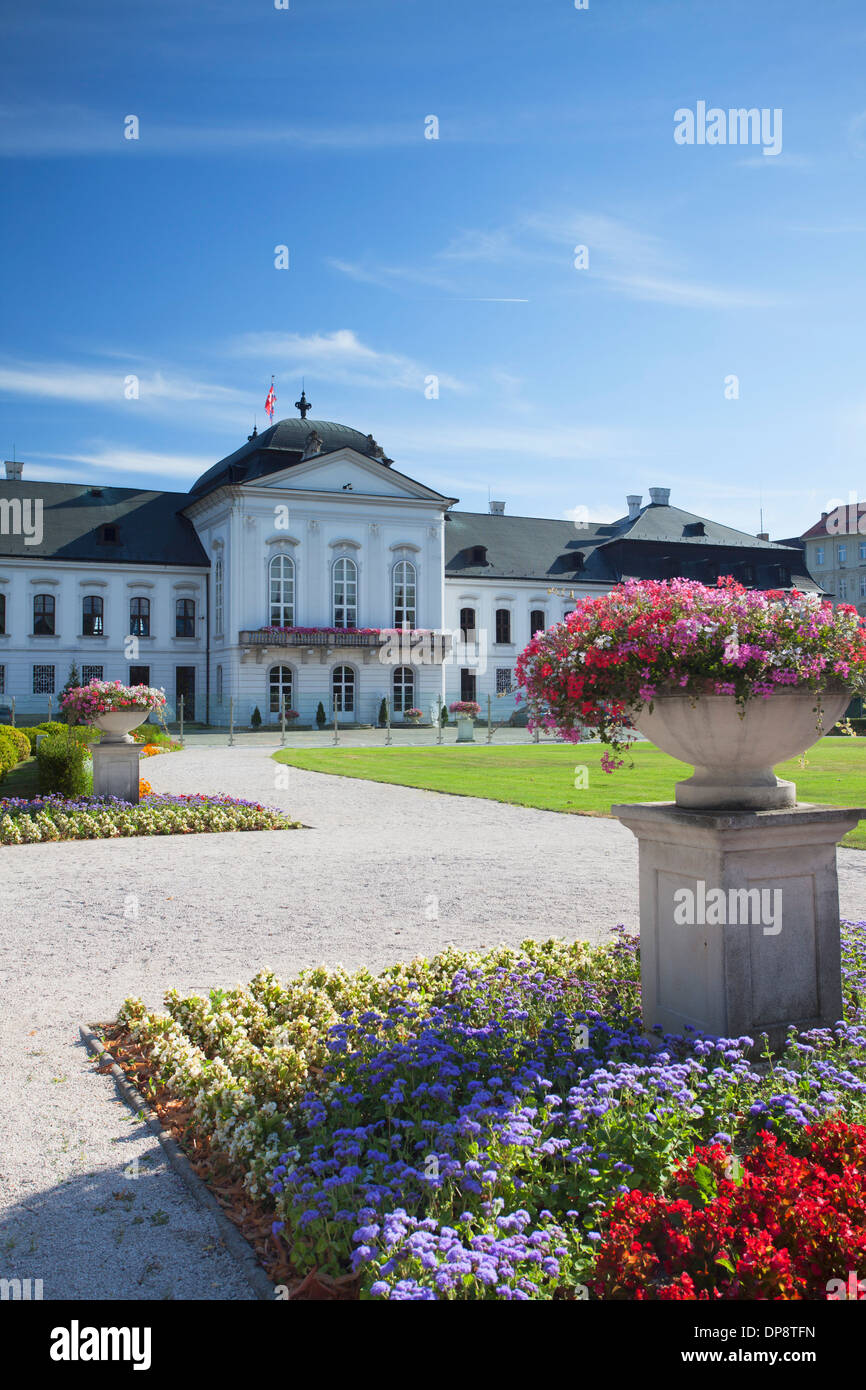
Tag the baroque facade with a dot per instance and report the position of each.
(307, 569)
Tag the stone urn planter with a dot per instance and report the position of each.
(116, 724)
(465, 729)
(734, 754)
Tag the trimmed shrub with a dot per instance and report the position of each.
(256, 720)
(62, 762)
(383, 713)
(21, 741)
(321, 717)
(8, 753)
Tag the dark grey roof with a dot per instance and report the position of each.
(662, 542)
(278, 447)
(150, 527)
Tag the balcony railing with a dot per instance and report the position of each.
(340, 637)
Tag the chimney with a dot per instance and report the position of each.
(497, 508)
(634, 500)
(763, 535)
(14, 471)
(660, 496)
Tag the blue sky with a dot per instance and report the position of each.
(559, 387)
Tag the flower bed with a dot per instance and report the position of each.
(101, 818)
(463, 1127)
(614, 654)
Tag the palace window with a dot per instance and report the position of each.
(819, 555)
(218, 594)
(184, 621)
(2, 680)
(862, 550)
(843, 588)
(43, 680)
(405, 588)
(280, 687)
(43, 617)
(139, 617)
(91, 616)
(842, 553)
(139, 675)
(536, 621)
(345, 594)
(282, 591)
(503, 625)
(404, 689)
(219, 682)
(467, 684)
(344, 689)
(2, 614)
(467, 624)
(91, 673)
(503, 680)
(863, 586)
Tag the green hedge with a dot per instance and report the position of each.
(8, 753)
(62, 763)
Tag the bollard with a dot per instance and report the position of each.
(336, 734)
(180, 713)
(13, 711)
(387, 724)
(49, 709)
(282, 721)
(489, 728)
(231, 722)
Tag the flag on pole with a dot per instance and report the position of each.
(271, 402)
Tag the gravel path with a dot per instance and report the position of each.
(382, 872)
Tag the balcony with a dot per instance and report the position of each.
(428, 646)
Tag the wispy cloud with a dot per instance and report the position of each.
(51, 130)
(538, 249)
(342, 357)
(105, 458)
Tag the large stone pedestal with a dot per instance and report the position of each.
(115, 770)
(739, 917)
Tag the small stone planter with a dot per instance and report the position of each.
(115, 724)
(465, 729)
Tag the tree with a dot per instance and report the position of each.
(321, 717)
(257, 718)
(383, 713)
(72, 680)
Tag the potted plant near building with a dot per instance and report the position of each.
(466, 711)
(730, 680)
(113, 708)
(412, 716)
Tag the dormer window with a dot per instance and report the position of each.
(108, 534)
(479, 555)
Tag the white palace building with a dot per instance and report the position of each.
(306, 568)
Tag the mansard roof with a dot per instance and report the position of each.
(150, 527)
(661, 542)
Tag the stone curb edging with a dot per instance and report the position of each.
(232, 1239)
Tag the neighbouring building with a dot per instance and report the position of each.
(306, 568)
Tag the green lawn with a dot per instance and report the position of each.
(544, 775)
(20, 780)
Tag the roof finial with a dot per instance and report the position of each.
(303, 405)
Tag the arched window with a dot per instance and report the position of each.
(43, 615)
(404, 689)
(218, 594)
(536, 621)
(2, 614)
(467, 624)
(405, 588)
(184, 621)
(282, 573)
(280, 686)
(344, 689)
(139, 617)
(91, 616)
(503, 625)
(345, 594)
